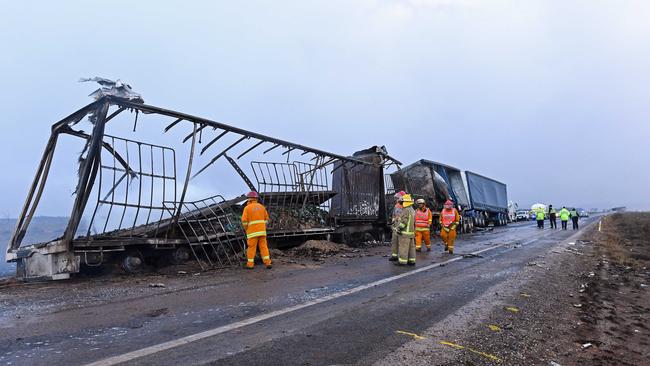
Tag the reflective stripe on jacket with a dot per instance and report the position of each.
(423, 219)
(254, 219)
(407, 222)
(449, 217)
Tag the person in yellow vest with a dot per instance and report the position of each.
(449, 219)
(254, 220)
(423, 221)
(394, 239)
(564, 217)
(406, 225)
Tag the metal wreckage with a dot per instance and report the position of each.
(133, 200)
(152, 196)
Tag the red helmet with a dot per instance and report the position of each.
(253, 194)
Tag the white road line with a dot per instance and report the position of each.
(147, 351)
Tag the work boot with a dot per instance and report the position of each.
(392, 259)
(446, 248)
(428, 249)
(247, 267)
(418, 250)
(451, 251)
(269, 266)
(411, 263)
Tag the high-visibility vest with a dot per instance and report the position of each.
(423, 219)
(574, 213)
(564, 214)
(540, 215)
(448, 217)
(254, 220)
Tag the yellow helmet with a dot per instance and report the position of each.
(408, 200)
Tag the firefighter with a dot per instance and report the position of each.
(564, 217)
(406, 231)
(254, 220)
(449, 219)
(394, 240)
(423, 221)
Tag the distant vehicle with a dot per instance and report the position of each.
(513, 207)
(522, 215)
(582, 212)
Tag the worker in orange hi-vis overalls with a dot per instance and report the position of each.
(423, 220)
(254, 220)
(449, 219)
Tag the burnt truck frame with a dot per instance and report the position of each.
(142, 209)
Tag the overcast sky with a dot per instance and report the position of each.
(550, 97)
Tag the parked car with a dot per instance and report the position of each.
(522, 215)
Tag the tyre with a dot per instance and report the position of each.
(132, 262)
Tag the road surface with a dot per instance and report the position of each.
(357, 311)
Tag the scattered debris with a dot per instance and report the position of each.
(524, 295)
(157, 285)
(587, 345)
(472, 255)
(577, 305)
(512, 309)
(318, 248)
(494, 328)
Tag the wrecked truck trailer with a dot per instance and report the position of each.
(359, 208)
(139, 200)
(455, 189)
(422, 182)
(488, 200)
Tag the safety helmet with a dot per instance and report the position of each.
(253, 194)
(408, 200)
(420, 201)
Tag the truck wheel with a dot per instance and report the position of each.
(132, 262)
(180, 255)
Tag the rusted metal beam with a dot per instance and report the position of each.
(219, 155)
(232, 129)
(250, 149)
(272, 148)
(39, 181)
(88, 172)
(114, 114)
(193, 133)
(171, 125)
(222, 134)
(177, 215)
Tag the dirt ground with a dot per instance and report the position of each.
(590, 307)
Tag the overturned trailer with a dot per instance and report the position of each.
(137, 201)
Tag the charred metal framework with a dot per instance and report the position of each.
(158, 215)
